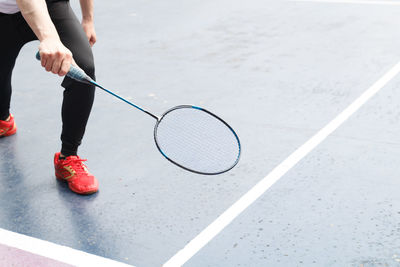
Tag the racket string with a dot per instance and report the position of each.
(197, 140)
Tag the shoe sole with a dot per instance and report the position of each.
(11, 132)
(80, 193)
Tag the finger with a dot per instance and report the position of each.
(65, 66)
(68, 58)
(49, 64)
(44, 57)
(43, 62)
(57, 64)
(93, 40)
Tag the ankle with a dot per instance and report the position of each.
(7, 118)
(64, 156)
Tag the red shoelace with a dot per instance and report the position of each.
(76, 163)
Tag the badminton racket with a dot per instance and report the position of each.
(190, 137)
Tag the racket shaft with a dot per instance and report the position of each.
(79, 75)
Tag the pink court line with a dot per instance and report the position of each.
(198, 242)
(16, 257)
(21, 250)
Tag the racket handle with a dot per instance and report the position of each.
(74, 72)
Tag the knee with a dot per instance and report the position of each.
(87, 64)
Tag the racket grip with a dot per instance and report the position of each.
(75, 73)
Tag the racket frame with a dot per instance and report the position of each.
(209, 113)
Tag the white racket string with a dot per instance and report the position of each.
(197, 140)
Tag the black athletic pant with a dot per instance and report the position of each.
(78, 97)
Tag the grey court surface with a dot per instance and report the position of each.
(277, 71)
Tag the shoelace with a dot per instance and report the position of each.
(77, 164)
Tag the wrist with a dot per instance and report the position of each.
(87, 19)
(47, 36)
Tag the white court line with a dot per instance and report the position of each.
(182, 256)
(392, 3)
(56, 252)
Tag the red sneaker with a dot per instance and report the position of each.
(72, 170)
(8, 128)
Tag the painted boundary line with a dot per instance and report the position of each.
(365, 2)
(56, 252)
(196, 244)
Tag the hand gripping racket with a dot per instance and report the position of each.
(188, 136)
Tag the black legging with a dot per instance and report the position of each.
(78, 97)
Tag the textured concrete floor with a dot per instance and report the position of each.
(277, 71)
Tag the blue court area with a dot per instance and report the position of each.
(278, 72)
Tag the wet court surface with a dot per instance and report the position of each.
(278, 72)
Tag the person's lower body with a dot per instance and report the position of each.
(78, 97)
